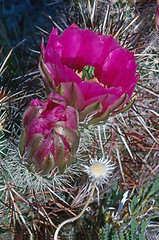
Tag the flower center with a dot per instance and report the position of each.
(87, 74)
(97, 170)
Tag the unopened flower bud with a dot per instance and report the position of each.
(50, 136)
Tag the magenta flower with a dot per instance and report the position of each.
(50, 137)
(110, 76)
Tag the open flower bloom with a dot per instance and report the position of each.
(50, 137)
(92, 71)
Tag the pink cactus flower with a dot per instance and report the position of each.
(92, 71)
(50, 137)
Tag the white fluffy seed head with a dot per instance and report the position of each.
(99, 170)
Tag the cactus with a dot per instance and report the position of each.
(103, 183)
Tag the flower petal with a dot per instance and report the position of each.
(119, 69)
(72, 93)
(54, 47)
(94, 92)
(83, 47)
(61, 73)
(46, 147)
(72, 117)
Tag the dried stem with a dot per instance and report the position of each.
(76, 217)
